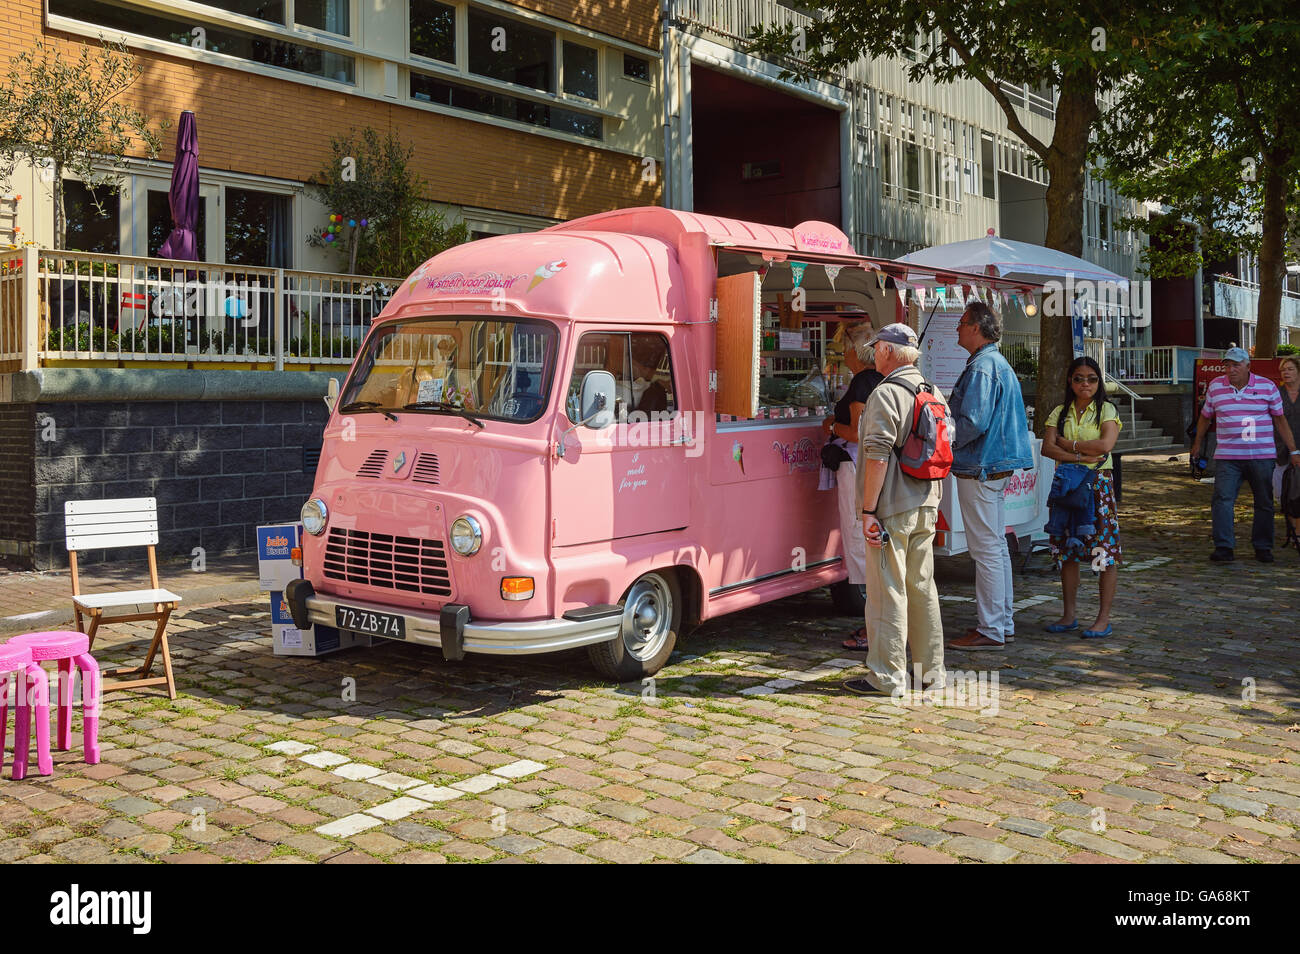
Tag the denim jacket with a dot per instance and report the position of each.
(992, 429)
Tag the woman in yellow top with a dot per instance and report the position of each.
(1083, 430)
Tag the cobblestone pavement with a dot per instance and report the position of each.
(1142, 747)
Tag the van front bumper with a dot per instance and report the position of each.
(455, 633)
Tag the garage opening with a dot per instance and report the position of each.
(761, 155)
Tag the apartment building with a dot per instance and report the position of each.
(899, 165)
(521, 114)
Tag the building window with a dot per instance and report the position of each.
(511, 51)
(92, 218)
(433, 30)
(269, 51)
(581, 71)
(328, 15)
(258, 227)
(428, 89)
(270, 10)
(912, 171)
(160, 223)
(988, 168)
(636, 67)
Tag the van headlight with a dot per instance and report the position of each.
(313, 516)
(466, 536)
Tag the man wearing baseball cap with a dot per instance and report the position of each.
(899, 513)
(1245, 409)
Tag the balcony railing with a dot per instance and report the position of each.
(1234, 298)
(1020, 348)
(1147, 365)
(63, 305)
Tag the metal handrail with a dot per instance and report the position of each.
(1132, 395)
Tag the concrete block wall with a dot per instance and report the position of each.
(217, 468)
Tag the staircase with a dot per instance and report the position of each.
(1138, 435)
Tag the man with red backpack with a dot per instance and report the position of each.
(992, 443)
(905, 450)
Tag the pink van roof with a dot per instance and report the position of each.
(624, 265)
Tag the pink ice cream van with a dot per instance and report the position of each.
(600, 434)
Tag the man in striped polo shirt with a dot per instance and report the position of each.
(1245, 408)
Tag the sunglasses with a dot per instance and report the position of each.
(1090, 379)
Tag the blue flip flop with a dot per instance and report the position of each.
(1097, 633)
(1062, 627)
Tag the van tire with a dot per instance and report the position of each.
(638, 652)
(847, 599)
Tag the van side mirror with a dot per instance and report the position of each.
(332, 394)
(595, 406)
(597, 401)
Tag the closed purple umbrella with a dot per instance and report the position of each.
(181, 244)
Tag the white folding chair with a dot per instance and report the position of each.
(109, 524)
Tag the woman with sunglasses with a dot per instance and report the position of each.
(1082, 430)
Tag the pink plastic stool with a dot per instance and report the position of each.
(18, 659)
(69, 649)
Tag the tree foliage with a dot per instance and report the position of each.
(1208, 129)
(369, 179)
(67, 116)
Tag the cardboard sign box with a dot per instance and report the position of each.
(275, 568)
(289, 640)
(274, 547)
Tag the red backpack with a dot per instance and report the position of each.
(926, 453)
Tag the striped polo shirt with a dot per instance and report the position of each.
(1243, 420)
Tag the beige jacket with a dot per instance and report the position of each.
(884, 424)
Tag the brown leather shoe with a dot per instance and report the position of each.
(973, 639)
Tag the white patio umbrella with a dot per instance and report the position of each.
(1012, 260)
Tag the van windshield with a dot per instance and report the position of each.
(470, 366)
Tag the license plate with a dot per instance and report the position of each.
(370, 623)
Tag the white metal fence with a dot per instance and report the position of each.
(91, 306)
(1148, 365)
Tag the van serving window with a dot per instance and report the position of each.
(642, 369)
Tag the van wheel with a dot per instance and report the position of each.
(847, 599)
(652, 612)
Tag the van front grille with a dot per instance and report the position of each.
(385, 560)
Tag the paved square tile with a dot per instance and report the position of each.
(397, 809)
(348, 825)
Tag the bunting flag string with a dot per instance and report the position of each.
(796, 269)
(832, 272)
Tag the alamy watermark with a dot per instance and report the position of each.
(961, 689)
(1131, 298)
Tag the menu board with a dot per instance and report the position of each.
(942, 358)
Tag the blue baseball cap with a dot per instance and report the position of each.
(1236, 354)
(897, 333)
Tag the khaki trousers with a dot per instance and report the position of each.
(903, 604)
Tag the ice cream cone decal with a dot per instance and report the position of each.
(738, 454)
(546, 271)
(418, 274)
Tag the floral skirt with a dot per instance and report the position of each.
(1107, 536)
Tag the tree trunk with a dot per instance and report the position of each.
(1076, 112)
(1272, 258)
(353, 240)
(60, 213)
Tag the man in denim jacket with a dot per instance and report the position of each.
(992, 442)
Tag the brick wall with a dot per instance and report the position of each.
(246, 121)
(17, 468)
(217, 468)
